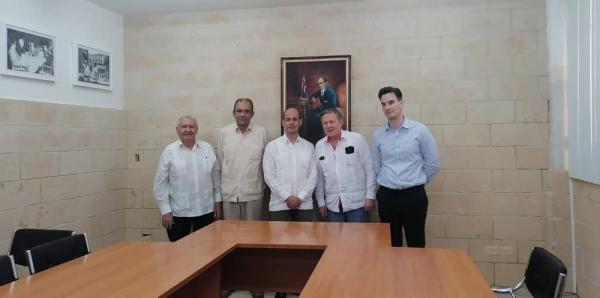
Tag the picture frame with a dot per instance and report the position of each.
(92, 67)
(300, 89)
(28, 53)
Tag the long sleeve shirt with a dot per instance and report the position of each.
(345, 173)
(404, 157)
(290, 170)
(240, 162)
(187, 182)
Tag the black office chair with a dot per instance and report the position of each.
(48, 255)
(545, 276)
(24, 239)
(8, 272)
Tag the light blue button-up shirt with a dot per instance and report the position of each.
(404, 157)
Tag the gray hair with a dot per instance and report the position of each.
(187, 117)
(335, 111)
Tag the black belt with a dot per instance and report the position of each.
(404, 190)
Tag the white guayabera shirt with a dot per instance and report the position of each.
(345, 174)
(290, 170)
(187, 180)
(240, 155)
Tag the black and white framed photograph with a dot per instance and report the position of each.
(29, 54)
(92, 67)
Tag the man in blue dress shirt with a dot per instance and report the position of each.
(405, 158)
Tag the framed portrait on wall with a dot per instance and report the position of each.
(91, 67)
(28, 53)
(313, 84)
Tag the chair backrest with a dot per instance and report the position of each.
(8, 272)
(545, 274)
(24, 239)
(56, 252)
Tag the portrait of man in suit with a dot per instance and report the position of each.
(325, 94)
(327, 98)
(314, 84)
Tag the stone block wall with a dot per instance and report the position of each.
(63, 167)
(474, 71)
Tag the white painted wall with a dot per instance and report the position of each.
(68, 21)
(557, 70)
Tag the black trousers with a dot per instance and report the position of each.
(405, 208)
(183, 226)
(292, 215)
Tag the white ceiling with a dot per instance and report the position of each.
(156, 7)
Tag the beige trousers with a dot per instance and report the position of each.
(251, 210)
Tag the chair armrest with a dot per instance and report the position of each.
(502, 290)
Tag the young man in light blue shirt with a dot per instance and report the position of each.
(405, 158)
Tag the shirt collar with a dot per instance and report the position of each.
(288, 141)
(407, 123)
(342, 137)
(196, 144)
(237, 129)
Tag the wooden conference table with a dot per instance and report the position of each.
(313, 259)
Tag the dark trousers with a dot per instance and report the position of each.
(292, 215)
(405, 208)
(183, 226)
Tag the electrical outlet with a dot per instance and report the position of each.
(146, 237)
(137, 157)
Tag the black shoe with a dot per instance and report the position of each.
(280, 295)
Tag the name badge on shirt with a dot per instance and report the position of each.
(349, 149)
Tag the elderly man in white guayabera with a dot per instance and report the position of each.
(186, 186)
